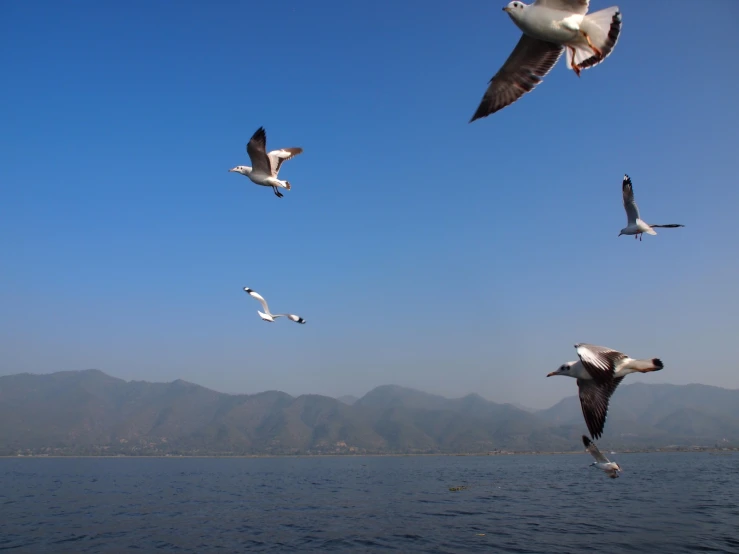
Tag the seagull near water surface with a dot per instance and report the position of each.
(601, 462)
(270, 316)
(549, 28)
(266, 166)
(634, 225)
(598, 372)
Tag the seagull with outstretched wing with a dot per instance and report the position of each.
(266, 166)
(599, 371)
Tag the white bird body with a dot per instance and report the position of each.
(266, 165)
(548, 24)
(268, 316)
(599, 371)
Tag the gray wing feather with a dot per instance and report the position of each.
(277, 157)
(594, 399)
(527, 65)
(594, 452)
(257, 150)
(632, 210)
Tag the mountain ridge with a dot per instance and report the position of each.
(91, 412)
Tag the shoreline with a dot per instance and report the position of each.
(692, 450)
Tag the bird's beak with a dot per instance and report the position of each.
(232, 169)
(507, 9)
(552, 373)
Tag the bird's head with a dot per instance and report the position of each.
(564, 369)
(515, 9)
(621, 232)
(240, 169)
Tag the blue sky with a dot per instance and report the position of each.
(422, 250)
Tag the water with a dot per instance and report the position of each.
(661, 503)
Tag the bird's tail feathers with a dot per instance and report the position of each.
(582, 53)
(645, 366)
(603, 27)
(650, 231)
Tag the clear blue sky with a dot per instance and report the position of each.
(422, 250)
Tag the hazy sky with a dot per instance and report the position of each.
(422, 250)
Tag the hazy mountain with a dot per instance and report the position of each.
(88, 412)
(347, 399)
(644, 414)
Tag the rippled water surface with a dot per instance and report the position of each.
(662, 503)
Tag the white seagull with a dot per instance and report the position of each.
(601, 462)
(550, 27)
(634, 225)
(270, 316)
(598, 372)
(266, 166)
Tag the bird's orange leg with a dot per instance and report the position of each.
(573, 65)
(595, 49)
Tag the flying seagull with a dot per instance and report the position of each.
(634, 225)
(601, 462)
(269, 316)
(549, 28)
(266, 166)
(598, 372)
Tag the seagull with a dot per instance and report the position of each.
(266, 166)
(634, 225)
(549, 28)
(601, 462)
(598, 372)
(269, 316)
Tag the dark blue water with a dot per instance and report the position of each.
(662, 503)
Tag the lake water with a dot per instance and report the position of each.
(663, 502)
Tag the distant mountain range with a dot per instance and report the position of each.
(89, 412)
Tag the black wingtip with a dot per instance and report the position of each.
(586, 441)
(259, 134)
(247, 289)
(658, 363)
(627, 180)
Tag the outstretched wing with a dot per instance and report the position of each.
(291, 317)
(594, 399)
(258, 297)
(572, 6)
(257, 150)
(632, 210)
(599, 361)
(668, 225)
(594, 452)
(527, 65)
(276, 157)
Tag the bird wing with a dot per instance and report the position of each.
(599, 361)
(668, 225)
(594, 399)
(276, 157)
(291, 317)
(572, 6)
(632, 210)
(257, 150)
(594, 452)
(258, 297)
(527, 65)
